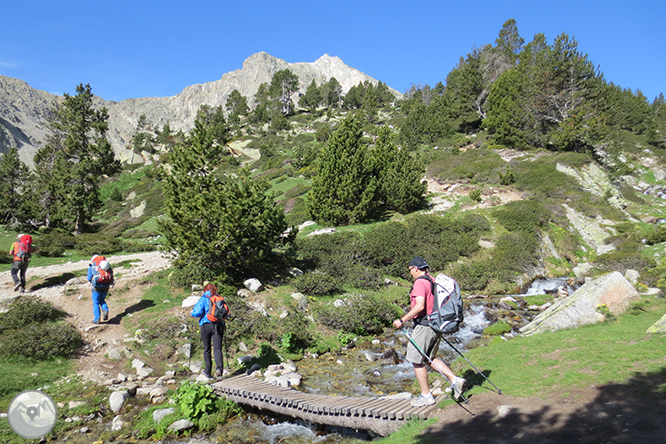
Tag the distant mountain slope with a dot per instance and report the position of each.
(23, 109)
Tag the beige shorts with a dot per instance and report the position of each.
(427, 339)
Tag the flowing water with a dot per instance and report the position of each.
(369, 368)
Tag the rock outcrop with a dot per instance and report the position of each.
(24, 110)
(581, 308)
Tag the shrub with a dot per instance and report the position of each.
(94, 243)
(657, 236)
(317, 283)
(55, 243)
(361, 315)
(54, 339)
(515, 252)
(475, 195)
(27, 310)
(522, 215)
(624, 260)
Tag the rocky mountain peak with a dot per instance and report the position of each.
(23, 109)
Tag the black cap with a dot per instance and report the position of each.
(418, 262)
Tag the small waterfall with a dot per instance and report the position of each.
(548, 286)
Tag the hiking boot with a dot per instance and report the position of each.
(17, 286)
(96, 322)
(458, 384)
(105, 315)
(218, 374)
(22, 289)
(423, 401)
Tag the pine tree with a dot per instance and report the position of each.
(400, 176)
(74, 159)
(283, 85)
(16, 206)
(344, 190)
(312, 97)
(218, 227)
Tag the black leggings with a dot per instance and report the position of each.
(216, 333)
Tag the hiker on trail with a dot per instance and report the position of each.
(209, 331)
(22, 250)
(100, 276)
(421, 296)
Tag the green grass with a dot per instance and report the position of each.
(18, 376)
(590, 355)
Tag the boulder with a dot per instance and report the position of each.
(158, 415)
(117, 400)
(181, 425)
(253, 284)
(659, 326)
(580, 308)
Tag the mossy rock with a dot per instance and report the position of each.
(498, 328)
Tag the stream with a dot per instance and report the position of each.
(368, 369)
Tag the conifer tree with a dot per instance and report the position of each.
(400, 176)
(16, 206)
(344, 190)
(74, 159)
(312, 97)
(283, 85)
(218, 227)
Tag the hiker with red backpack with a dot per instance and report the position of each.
(100, 276)
(212, 310)
(22, 251)
(424, 341)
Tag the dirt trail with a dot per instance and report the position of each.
(77, 303)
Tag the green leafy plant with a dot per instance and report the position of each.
(608, 315)
(195, 400)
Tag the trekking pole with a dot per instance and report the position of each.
(477, 370)
(435, 367)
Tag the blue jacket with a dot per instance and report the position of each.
(201, 308)
(104, 288)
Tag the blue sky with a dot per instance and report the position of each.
(145, 48)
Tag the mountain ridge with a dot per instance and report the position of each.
(24, 110)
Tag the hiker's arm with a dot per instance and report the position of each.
(419, 306)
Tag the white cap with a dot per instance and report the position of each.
(104, 265)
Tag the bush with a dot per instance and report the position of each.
(360, 315)
(624, 260)
(93, 243)
(498, 328)
(27, 310)
(55, 243)
(317, 283)
(657, 236)
(53, 339)
(522, 215)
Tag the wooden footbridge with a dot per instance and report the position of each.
(380, 415)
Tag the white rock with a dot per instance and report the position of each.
(117, 423)
(158, 415)
(503, 410)
(253, 284)
(189, 301)
(181, 425)
(117, 400)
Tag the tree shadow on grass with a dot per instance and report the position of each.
(629, 412)
(51, 281)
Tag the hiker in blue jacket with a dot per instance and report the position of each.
(99, 291)
(209, 331)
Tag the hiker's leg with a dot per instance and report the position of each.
(15, 272)
(24, 268)
(422, 378)
(102, 302)
(217, 348)
(442, 367)
(206, 333)
(95, 301)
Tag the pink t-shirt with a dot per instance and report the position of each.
(422, 288)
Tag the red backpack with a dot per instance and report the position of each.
(98, 260)
(25, 247)
(218, 311)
